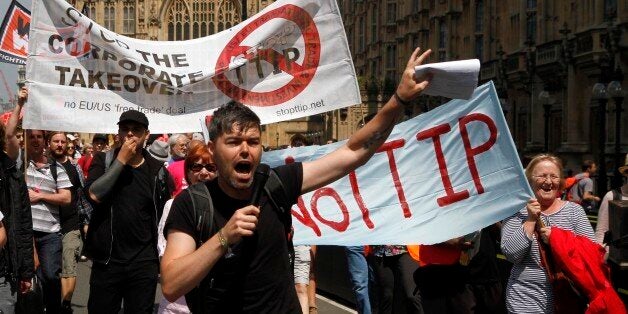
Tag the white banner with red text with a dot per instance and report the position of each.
(443, 174)
(288, 61)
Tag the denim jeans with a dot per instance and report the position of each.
(359, 275)
(49, 253)
(7, 298)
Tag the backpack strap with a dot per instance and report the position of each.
(53, 168)
(616, 195)
(278, 197)
(203, 211)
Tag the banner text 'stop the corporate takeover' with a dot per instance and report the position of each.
(278, 59)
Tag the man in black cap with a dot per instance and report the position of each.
(99, 142)
(129, 191)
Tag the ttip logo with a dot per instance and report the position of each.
(14, 31)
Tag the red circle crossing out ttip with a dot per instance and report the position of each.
(302, 74)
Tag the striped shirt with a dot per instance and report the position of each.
(45, 215)
(528, 289)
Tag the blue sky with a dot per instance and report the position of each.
(10, 70)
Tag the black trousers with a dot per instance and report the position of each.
(134, 283)
(445, 291)
(392, 271)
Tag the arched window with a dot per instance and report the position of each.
(110, 16)
(228, 12)
(128, 21)
(479, 15)
(442, 41)
(170, 31)
(186, 31)
(531, 20)
(178, 19)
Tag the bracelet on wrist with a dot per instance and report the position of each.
(401, 101)
(224, 244)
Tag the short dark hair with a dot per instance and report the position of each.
(229, 114)
(587, 164)
(297, 140)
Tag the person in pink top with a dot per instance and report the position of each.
(178, 151)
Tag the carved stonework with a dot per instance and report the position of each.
(140, 10)
(154, 15)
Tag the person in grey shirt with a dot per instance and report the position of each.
(582, 192)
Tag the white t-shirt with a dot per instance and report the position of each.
(602, 216)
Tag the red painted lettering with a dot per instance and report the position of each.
(471, 152)
(304, 217)
(388, 148)
(325, 191)
(358, 199)
(435, 133)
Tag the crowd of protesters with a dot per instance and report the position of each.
(184, 210)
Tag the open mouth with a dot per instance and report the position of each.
(546, 188)
(243, 167)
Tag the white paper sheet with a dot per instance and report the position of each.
(453, 79)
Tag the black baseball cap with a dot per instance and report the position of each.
(134, 116)
(102, 137)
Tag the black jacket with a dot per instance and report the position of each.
(16, 258)
(100, 233)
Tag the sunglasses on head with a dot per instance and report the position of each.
(196, 167)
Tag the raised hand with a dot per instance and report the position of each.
(242, 224)
(22, 96)
(534, 210)
(410, 87)
(128, 150)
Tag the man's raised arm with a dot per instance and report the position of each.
(13, 144)
(363, 144)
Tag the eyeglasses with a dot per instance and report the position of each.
(70, 147)
(196, 167)
(551, 177)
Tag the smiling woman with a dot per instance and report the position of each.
(529, 290)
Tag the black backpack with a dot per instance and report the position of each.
(205, 227)
(608, 236)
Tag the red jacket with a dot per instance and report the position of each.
(582, 261)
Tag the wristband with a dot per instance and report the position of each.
(401, 101)
(224, 244)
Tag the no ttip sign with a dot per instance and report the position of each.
(302, 74)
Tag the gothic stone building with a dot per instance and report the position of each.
(545, 56)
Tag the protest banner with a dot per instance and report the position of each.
(280, 62)
(14, 32)
(443, 174)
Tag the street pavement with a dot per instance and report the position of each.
(79, 301)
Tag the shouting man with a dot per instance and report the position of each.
(245, 266)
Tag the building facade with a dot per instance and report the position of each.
(544, 56)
